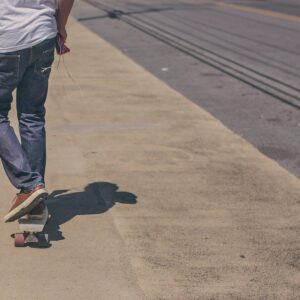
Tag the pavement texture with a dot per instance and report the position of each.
(237, 62)
(151, 196)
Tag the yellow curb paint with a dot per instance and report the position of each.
(261, 12)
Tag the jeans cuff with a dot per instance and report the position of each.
(29, 189)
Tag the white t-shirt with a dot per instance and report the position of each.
(26, 23)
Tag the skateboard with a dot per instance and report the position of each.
(32, 227)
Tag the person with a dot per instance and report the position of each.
(28, 31)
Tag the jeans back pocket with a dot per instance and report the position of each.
(44, 63)
(9, 69)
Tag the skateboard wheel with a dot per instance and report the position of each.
(19, 240)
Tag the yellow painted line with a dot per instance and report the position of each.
(264, 12)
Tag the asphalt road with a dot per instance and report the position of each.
(239, 60)
(290, 7)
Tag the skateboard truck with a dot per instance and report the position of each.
(32, 227)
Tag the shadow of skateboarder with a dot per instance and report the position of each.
(97, 198)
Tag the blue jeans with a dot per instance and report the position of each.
(28, 72)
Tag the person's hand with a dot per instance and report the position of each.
(63, 33)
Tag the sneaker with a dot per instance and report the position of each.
(38, 212)
(25, 202)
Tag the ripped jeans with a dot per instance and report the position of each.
(28, 72)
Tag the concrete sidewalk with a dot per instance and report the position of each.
(152, 198)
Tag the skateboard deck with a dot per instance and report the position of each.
(32, 227)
